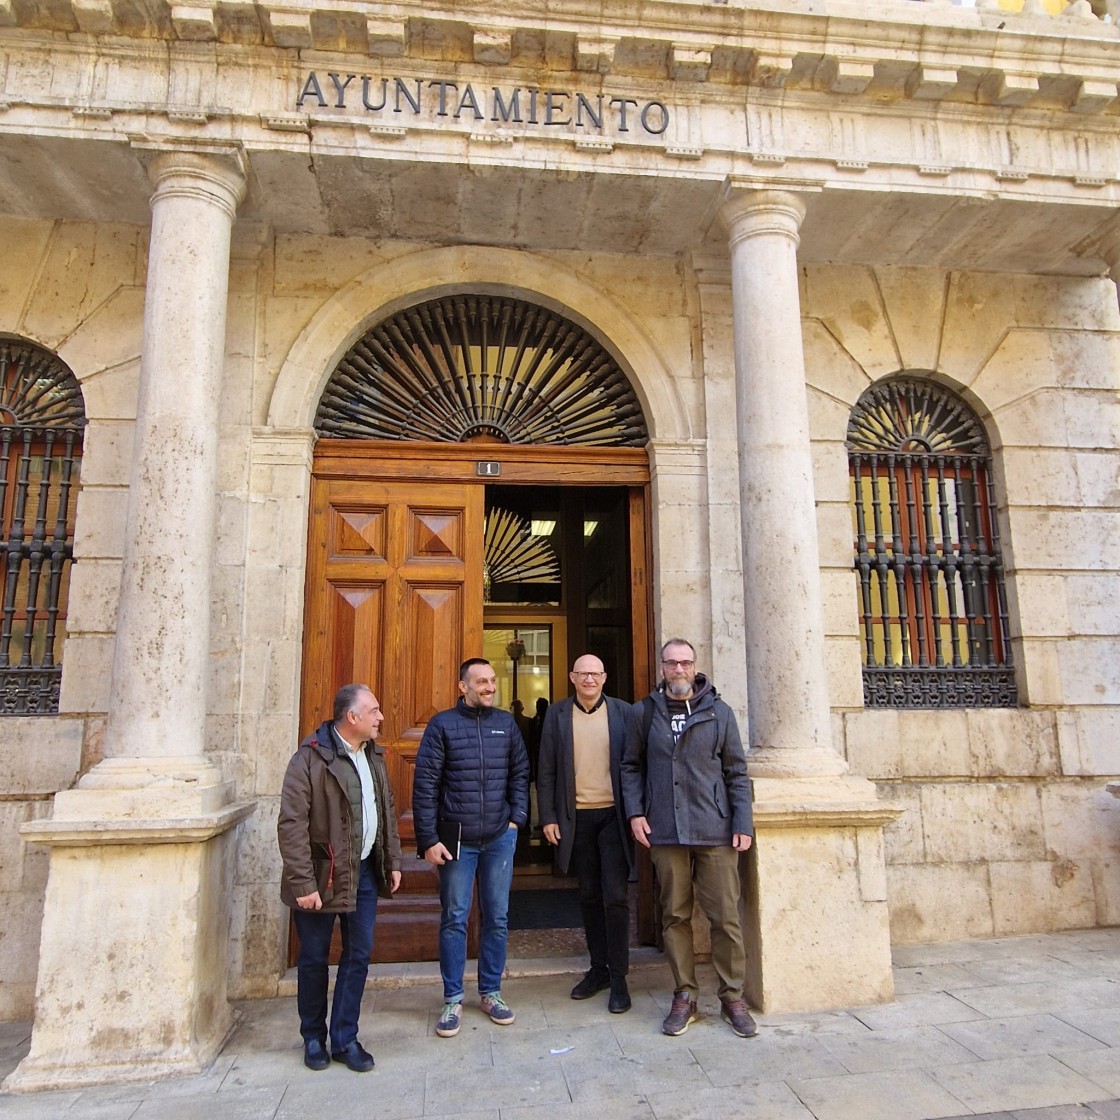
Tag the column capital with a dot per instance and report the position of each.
(747, 211)
(218, 179)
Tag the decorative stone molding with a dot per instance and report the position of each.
(492, 48)
(94, 17)
(195, 22)
(387, 38)
(980, 54)
(689, 65)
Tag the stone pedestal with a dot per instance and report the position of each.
(818, 926)
(140, 877)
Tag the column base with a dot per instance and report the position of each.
(818, 927)
(133, 952)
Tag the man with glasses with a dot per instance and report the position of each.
(579, 793)
(688, 799)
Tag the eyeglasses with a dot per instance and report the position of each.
(595, 675)
(678, 664)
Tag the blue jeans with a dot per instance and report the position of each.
(492, 862)
(315, 929)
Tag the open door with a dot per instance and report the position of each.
(395, 598)
(394, 577)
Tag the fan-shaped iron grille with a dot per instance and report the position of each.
(37, 390)
(469, 366)
(910, 416)
(41, 422)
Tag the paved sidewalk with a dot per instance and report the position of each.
(1025, 1028)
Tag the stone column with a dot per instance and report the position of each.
(817, 912)
(787, 690)
(132, 961)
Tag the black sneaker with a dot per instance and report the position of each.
(680, 1014)
(592, 982)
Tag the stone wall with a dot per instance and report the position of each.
(1007, 815)
(1009, 828)
(77, 289)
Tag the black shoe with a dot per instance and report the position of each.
(315, 1054)
(591, 983)
(356, 1057)
(619, 999)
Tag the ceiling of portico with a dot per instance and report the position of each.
(548, 209)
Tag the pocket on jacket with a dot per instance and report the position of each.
(322, 864)
(719, 793)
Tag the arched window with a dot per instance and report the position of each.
(41, 422)
(933, 607)
(481, 367)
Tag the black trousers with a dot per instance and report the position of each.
(599, 860)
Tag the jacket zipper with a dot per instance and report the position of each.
(482, 783)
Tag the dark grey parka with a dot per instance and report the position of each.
(696, 791)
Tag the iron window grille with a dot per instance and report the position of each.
(933, 603)
(42, 419)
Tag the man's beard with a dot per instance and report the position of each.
(679, 689)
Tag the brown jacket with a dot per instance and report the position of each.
(316, 829)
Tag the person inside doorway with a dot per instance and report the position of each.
(579, 790)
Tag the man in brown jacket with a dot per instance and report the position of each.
(337, 831)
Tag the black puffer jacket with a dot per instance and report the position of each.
(472, 767)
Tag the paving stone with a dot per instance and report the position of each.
(630, 1080)
(905, 1048)
(1057, 1112)
(240, 1104)
(1041, 968)
(516, 1085)
(759, 1101)
(1033, 1082)
(898, 1095)
(1002, 1000)
(1023, 1034)
(388, 1095)
(764, 1059)
(1101, 1067)
(920, 1010)
(604, 1110)
(934, 978)
(1101, 1025)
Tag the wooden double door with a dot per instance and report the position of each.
(395, 600)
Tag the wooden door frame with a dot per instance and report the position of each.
(534, 465)
(391, 461)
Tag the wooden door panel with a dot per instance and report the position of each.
(355, 631)
(394, 599)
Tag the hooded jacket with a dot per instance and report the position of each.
(319, 829)
(695, 791)
(472, 768)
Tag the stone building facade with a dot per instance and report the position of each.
(759, 212)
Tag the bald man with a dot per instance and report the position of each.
(579, 791)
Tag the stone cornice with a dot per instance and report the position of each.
(161, 830)
(891, 50)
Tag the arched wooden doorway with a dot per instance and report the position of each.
(481, 476)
